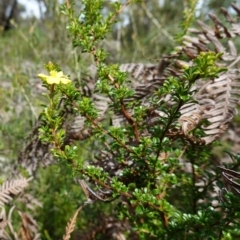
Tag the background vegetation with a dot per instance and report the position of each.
(146, 31)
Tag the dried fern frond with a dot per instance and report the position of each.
(216, 102)
(4, 235)
(35, 150)
(3, 224)
(190, 122)
(13, 232)
(2, 216)
(71, 224)
(12, 188)
(141, 73)
(231, 179)
(29, 201)
(28, 230)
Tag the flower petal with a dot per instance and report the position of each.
(43, 76)
(65, 80)
(59, 74)
(52, 80)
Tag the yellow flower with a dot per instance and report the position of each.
(55, 78)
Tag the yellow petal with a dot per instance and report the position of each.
(59, 74)
(43, 76)
(65, 80)
(52, 80)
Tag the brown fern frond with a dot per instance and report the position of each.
(3, 224)
(4, 235)
(13, 233)
(2, 217)
(231, 179)
(216, 102)
(190, 123)
(29, 201)
(71, 224)
(24, 231)
(35, 150)
(12, 188)
(141, 73)
(28, 230)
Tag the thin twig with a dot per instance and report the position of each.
(119, 11)
(67, 3)
(125, 113)
(171, 120)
